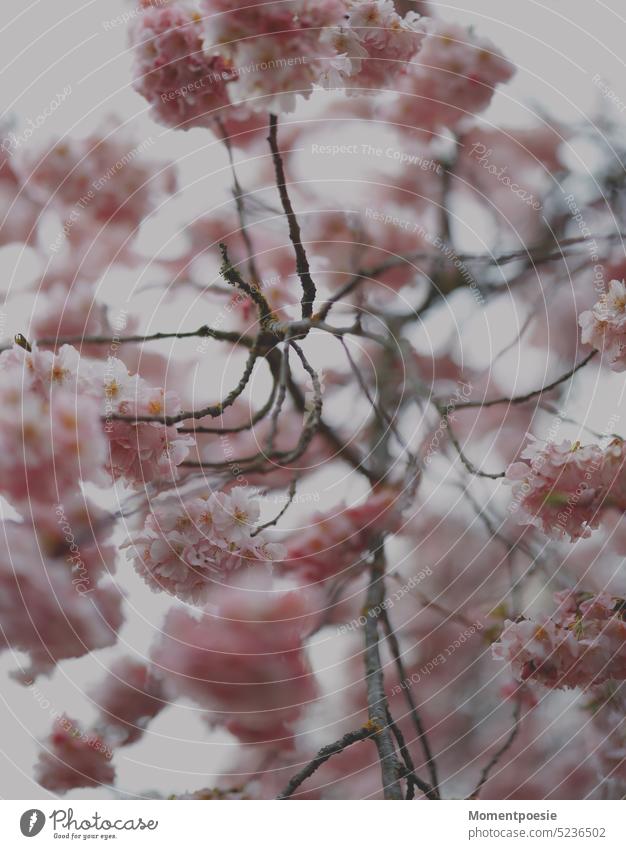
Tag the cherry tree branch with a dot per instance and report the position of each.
(202, 332)
(260, 414)
(238, 196)
(291, 494)
(309, 290)
(377, 704)
(324, 754)
(484, 776)
(521, 399)
(212, 410)
(471, 468)
(415, 716)
(232, 276)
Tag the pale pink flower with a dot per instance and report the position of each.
(244, 662)
(184, 86)
(39, 370)
(604, 326)
(582, 644)
(375, 43)
(143, 451)
(453, 77)
(48, 446)
(558, 487)
(128, 697)
(104, 177)
(236, 516)
(188, 547)
(274, 48)
(71, 758)
(76, 399)
(48, 609)
(336, 544)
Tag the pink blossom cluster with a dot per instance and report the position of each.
(49, 608)
(336, 544)
(271, 644)
(604, 326)
(558, 487)
(583, 644)
(58, 426)
(104, 178)
(188, 546)
(373, 45)
(70, 758)
(235, 60)
(139, 452)
(187, 82)
(453, 77)
(566, 488)
(128, 697)
(184, 87)
(244, 661)
(50, 438)
(275, 48)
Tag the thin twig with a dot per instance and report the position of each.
(415, 716)
(383, 417)
(232, 276)
(517, 713)
(203, 332)
(323, 755)
(377, 704)
(302, 263)
(213, 410)
(254, 420)
(291, 493)
(238, 195)
(407, 770)
(259, 460)
(471, 468)
(280, 400)
(521, 399)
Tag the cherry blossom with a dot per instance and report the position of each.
(373, 45)
(183, 86)
(69, 413)
(283, 60)
(315, 355)
(105, 177)
(187, 547)
(71, 758)
(49, 440)
(558, 487)
(454, 76)
(142, 451)
(128, 697)
(49, 607)
(581, 645)
(245, 661)
(604, 326)
(336, 544)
